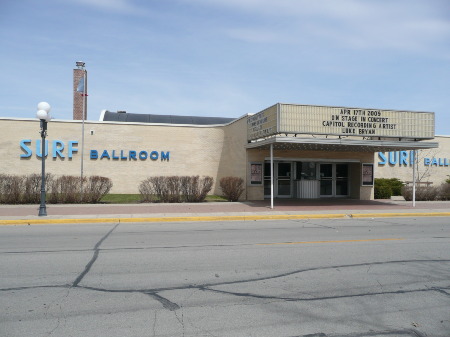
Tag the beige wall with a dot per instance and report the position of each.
(436, 174)
(193, 150)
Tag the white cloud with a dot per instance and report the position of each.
(121, 6)
(413, 26)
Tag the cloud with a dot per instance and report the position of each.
(412, 26)
(119, 6)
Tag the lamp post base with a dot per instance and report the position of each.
(42, 211)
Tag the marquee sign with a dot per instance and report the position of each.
(307, 119)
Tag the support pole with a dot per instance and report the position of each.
(43, 207)
(271, 176)
(414, 179)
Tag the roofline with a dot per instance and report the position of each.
(347, 107)
(400, 145)
(122, 123)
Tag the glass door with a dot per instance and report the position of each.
(326, 180)
(341, 180)
(267, 179)
(333, 180)
(284, 185)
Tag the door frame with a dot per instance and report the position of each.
(276, 179)
(334, 180)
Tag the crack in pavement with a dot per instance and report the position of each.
(299, 299)
(207, 285)
(169, 305)
(164, 301)
(94, 258)
(393, 333)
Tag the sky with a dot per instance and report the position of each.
(225, 58)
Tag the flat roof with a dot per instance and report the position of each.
(109, 116)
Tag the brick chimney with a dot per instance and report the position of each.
(78, 96)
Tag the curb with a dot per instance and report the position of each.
(217, 218)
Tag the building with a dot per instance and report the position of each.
(433, 165)
(316, 151)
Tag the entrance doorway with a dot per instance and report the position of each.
(282, 179)
(333, 180)
(307, 179)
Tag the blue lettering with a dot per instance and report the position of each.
(404, 158)
(132, 155)
(165, 155)
(143, 155)
(382, 157)
(393, 157)
(38, 148)
(94, 154)
(58, 146)
(23, 146)
(122, 157)
(71, 149)
(434, 162)
(411, 158)
(114, 155)
(426, 161)
(446, 162)
(105, 154)
(154, 155)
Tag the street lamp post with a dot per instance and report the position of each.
(43, 113)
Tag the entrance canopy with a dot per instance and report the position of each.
(339, 144)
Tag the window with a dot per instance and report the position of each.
(306, 171)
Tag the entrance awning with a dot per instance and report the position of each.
(339, 144)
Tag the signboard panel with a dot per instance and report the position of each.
(367, 174)
(262, 124)
(306, 119)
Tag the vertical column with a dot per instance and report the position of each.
(78, 99)
(271, 176)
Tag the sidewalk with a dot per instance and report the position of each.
(220, 211)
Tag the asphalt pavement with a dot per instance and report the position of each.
(223, 211)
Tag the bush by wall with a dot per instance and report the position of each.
(423, 193)
(232, 187)
(385, 188)
(428, 192)
(444, 190)
(96, 188)
(16, 189)
(174, 189)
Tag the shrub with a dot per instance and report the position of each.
(11, 189)
(175, 189)
(65, 190)
(96, 188)
(385, 188)
(232, 187)
(32, 188)
(147, 191)
(444, 191)
(423, 193)
(383, 192)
